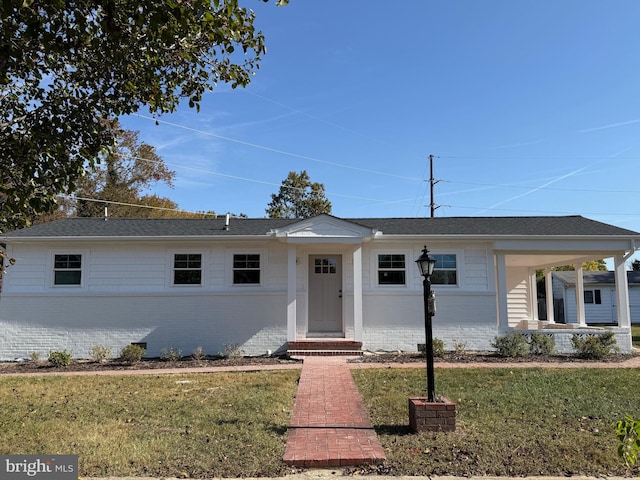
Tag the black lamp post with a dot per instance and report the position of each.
(426, 265)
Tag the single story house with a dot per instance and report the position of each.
(599, 293)
(272, 285)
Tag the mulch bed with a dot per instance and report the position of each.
(386, 357)
(29, 366)
(484, 357)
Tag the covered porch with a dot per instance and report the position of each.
(517, 293)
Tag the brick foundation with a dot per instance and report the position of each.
(427, 416)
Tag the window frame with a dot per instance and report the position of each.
(596, 296)
(456, 270)
(83, 269)
(260, 269)
(390, 269)
(175, 269)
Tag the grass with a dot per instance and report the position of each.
(510, 422)
(635, 335)
(203, 425)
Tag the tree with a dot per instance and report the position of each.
(122, 178)
(65, 67)
(298, 198)
(591, 266)
(635, 265)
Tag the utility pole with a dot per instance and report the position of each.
(432, 182)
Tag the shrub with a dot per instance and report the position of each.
(35, 356)
(198, 354)
(594, 347)
(60, 358)
(541, 344)
(628, 433)
(459, 347)
(233, 350)
(512, 344)
(438, 348)
(170, 354)
(132, 353)
(99, 353)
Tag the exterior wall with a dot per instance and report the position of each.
(126, 296)
(518, 295)
(393, 316)
(606, 312)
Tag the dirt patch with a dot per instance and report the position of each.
(144, 364)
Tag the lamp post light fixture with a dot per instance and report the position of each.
(426, 265)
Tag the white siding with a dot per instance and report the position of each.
(518, 295)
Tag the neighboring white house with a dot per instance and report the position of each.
(268, 285)
(600, 301)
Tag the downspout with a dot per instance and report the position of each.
(630, 253)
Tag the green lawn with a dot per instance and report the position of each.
(201, 425)
(635, 335)
(510, 422)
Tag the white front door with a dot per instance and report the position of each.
(325, 294)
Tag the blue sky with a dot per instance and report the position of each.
(530, 107)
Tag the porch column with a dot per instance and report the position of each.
(357, 294)
(533, 300)
(548, 285)
(291, 293)
(622, 292)
(580, 312)
(501, 287)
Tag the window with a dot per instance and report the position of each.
(187, 269)
(246, 268)
(67, 269)
(446, 270)
(593, 296)
(325, 266)
(391, 269)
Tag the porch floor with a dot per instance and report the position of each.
(330, 426)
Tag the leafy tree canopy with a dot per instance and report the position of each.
(298, 198)
(66, 66)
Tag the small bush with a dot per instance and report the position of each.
(99, 353)
(35, 356)
(171, 354)
(512, 344)
(132, 353)
(198, 354)
(594, 347)
(233, 350)
(459, 348)
(628, 433)
(438, 348)
(541, 344)
(60, 358)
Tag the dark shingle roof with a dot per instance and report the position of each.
(446, 226)
(597, 277)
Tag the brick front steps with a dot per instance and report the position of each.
(325, 348)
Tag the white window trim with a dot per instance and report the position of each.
(245, 251)
(459, 267)
(84, 269)
(204, 258)
(408, 264)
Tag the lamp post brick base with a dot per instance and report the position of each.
(438, 416)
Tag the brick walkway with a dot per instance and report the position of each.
(330, 426)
